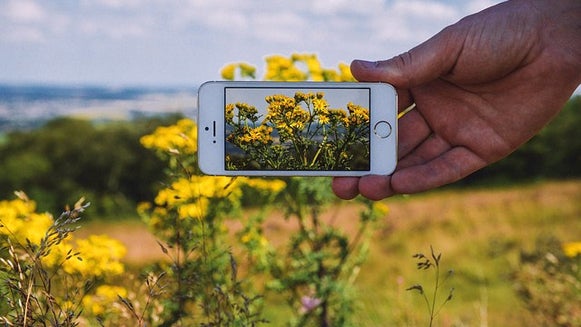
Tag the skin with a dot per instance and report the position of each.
(482, 87)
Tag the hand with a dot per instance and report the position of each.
(482, 87)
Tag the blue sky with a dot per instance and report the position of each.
(186, 42)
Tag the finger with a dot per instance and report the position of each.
(432, 147)
(375, 187)
(412, 131)
(426, 62)
(345, 188)
(450, 167)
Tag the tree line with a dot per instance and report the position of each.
(68, 158)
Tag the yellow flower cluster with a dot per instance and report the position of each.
(267, 185)
(285, 114)
(104, 300)
(19, 220)
(252, 136)
(181, 137)
(100, 256)
(192, 196)
(281, 68)
(357, 114)
(302, 67)
(243, 111)
(228, 72)
(572, 249)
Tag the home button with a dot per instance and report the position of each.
(382, 129)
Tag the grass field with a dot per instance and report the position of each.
(480, 233)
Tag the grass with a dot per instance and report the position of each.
(480, 233)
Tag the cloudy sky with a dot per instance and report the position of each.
(186, 42)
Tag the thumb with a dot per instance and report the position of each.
(426, 62)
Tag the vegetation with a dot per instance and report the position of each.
(68, 158)
(301, 258)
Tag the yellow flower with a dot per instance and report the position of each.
(345, 73)
(380, 208)
(281, 68)
(100, 256)
(195, 209)
(228, 72)
(572, 249)
(191, 197)
(19, 221)
(269, 185)
(229, 115)
(181, 137)
(104, 300)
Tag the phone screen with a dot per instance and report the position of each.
(297, 129)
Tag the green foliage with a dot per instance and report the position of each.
(315, 271)
(69, 158)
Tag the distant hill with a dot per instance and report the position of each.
(28, 106)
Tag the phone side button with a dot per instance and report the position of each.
(382, 129)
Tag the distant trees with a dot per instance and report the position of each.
(68, 158)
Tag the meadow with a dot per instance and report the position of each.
(163, 245)
(480, 232)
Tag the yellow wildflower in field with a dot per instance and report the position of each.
(228, 72)
(181, 137)
(100, 256)
(269, 185)
(191, 196)
(380, 208)
(104, 300)
(345, 73)
(572, 249)
(281, 68)
(19, 220)
(296, 67)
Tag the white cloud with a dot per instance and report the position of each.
(24, 11)
(26, 21)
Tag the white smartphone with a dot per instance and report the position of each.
(297, 128)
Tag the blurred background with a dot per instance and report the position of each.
(82, 81)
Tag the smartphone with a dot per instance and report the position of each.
(297, 128)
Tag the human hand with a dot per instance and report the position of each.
(482, 87)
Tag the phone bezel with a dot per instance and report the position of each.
(211, 143)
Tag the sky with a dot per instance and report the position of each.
(185, 42)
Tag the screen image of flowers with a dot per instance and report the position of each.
(282, 129)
